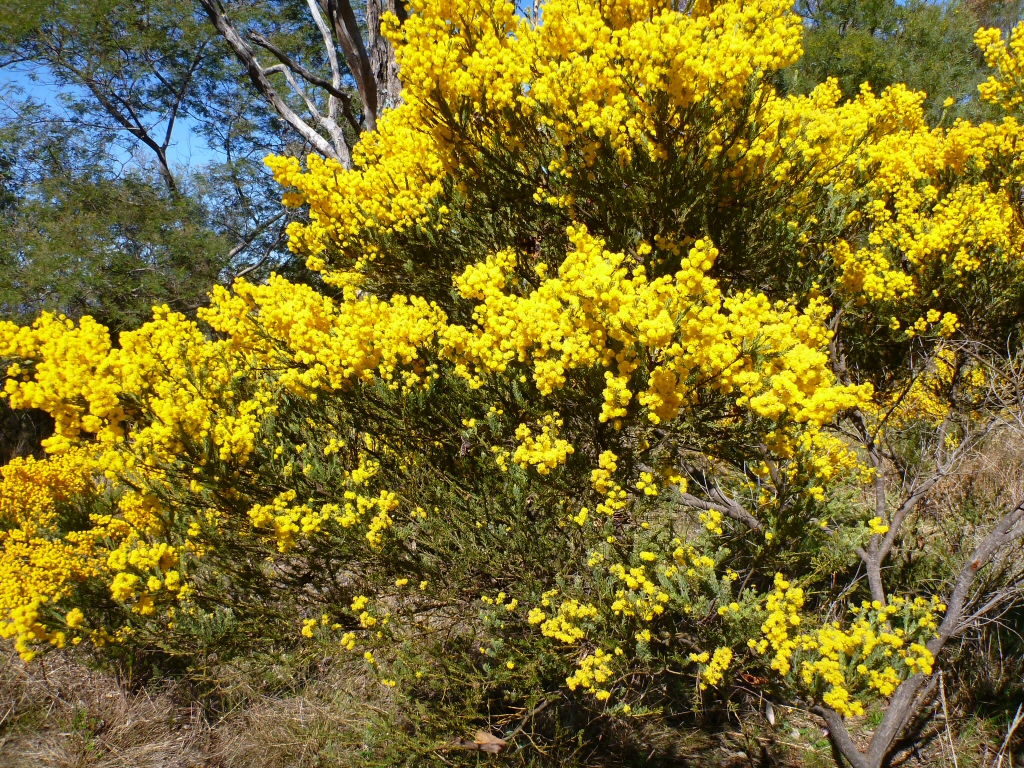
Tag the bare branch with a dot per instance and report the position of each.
(1003, 534)
(840, 736)
(346, 29)
(179, 96)
(332, 56)
(258, 75)
(327, 121)
(908, 697)
(722, 503)
(310, 77)
(880, 546)
(130, 122)
(335, 95)
(248, 239)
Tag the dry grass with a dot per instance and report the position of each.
(60, 714)
(326, 722)
(57, 713)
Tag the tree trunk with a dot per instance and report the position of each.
(382, 54)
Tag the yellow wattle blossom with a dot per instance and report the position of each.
(564, 626)
(877, 527)
(546, 450)
(1006, 86)
(40, 567)
(881, 654)
(575, 319)
(712, 667)
(592, 671)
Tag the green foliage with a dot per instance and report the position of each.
(133, 69)
(77, 239)
(101, 220)
(926, 45)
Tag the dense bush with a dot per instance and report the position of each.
(635, 370)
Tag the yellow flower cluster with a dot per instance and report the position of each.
(593, 671)
(712, 667)
(654, 330)
(783, 607)
(40, 565)
(184, 383)
(287, 520)
(601, 480)
(168, 388)
(590, 72)
(326, 344)
(958, 232)
(68, 377)
(926, 220)
(625, 74)
(397, 173)
(772, 356)
(870, 653)
(877, 527)
(1006, 86)
(564, 626)
(642, 596)
(546, 451)
(479, 79)
(712, 521)
(141, 569)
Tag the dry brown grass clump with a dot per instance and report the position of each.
(55, 713)
(58, 713)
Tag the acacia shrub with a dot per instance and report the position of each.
(633, 366)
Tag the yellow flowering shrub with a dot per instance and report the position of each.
(876, 648)
(42, 561)
(1003, 87)
(608, 331)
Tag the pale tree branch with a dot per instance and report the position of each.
(722, 503)
(346, 29)
(258, 76)
(337, 135)
(311, 77)
(1005, 406)
(840, 736)
(908, 698)
(716, 499)
(879, 547)
(334, 94)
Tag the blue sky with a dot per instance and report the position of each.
(187, 149)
